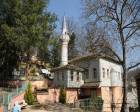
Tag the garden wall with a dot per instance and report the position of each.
(51, 96)
(18, 98)
(1, 109)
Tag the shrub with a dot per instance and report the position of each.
(62, 95)
(29, 97)
(97, 103)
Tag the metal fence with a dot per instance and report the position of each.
(89, 105)
(7, 97)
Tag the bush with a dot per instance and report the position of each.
(62, 95)
(29, 97)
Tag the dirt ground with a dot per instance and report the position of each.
(48, 108)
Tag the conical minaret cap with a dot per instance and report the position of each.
(64, 26)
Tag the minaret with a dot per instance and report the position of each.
(64, 41)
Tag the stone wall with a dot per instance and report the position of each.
(71, 95)
(51, 96)
(107, 95)
(39, 84)
(105, 92)
(1, 108)
(18, 98)
(117, 96)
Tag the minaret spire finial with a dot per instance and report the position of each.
(64, 27)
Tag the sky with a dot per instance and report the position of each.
(68, 8)
(71, 9)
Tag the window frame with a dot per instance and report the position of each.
(71, 75)
(57, 73)
(63, 78)
(108, 73)
(103, 71)
(86, 73)
(94, 73)
(78, 76)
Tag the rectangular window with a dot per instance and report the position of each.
(94, 73)
(71, 75)
(119, 75)
(57, 75)
(107, 73)
(78, 77)
(62, 75)
(86, 73)
(103, 72)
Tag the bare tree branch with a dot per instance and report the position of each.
(133, 66)
(134, 46)
(123, 16)
(115, 54)
(131, 23)
(130, 33)
(123, 5)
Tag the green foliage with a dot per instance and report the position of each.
(71, 47)
(29, 97)
(93, 104)
(33, 70)
(62, 96)
(55, 53)
(97, 103)
(23, 24)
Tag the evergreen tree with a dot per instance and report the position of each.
(29, 97)
(55, 53)
(62, 95)
(23, 23)
(72, 52)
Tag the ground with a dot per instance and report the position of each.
(57, 107)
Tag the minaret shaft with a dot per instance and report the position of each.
(64, 53)
(64, 41)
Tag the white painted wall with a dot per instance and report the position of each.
(115, 73)
(58, 80)
(113, 79)
(74, 83)
(90, 65)
(67, 82)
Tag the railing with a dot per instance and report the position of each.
(7, 97)
(89, 105)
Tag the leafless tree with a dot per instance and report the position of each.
(97, 40)
(122, 19)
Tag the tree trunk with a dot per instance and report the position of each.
(124, 102)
